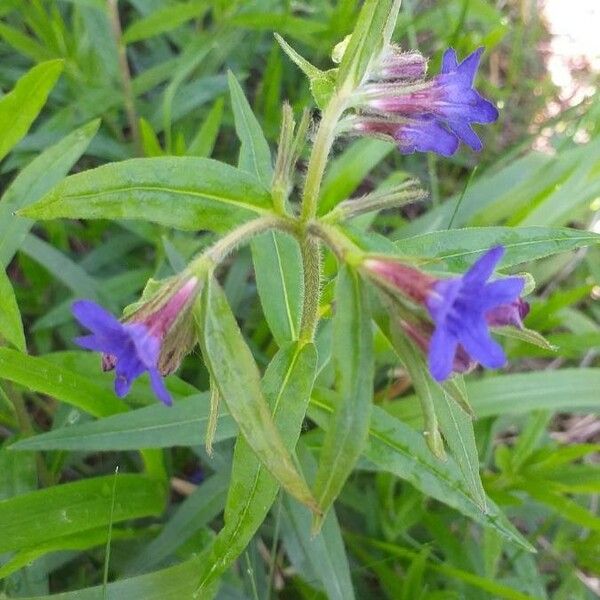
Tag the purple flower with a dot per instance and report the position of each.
(132, 348)
(435, 112)
(462, 310)
(425, 135)
(395, 65)
(153, 338)
(460, 307)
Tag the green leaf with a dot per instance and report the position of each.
(322, 83)
(174, 583)
(353, 361)
(459, 248)
(44, 377)
(276, 257)
(204, 141)
(232, 367)
(397, 448)
(497, 590)
(33, 181)
(278, 268)
(164, 19)
(35, 517)
(20, 107)
(287, 385)
(194, 513)
(568, 390)
(11, 327)
(183, 192)
(77, 541)
(324, 553)
(255, 156)
(155, 426)
(373, 30)
(62, 267)
(526, 335)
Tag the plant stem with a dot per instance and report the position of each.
(311, 253)
(311, 259)
(228, 243)
(318, 158)
(128, 96)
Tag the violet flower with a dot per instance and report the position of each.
(131, 346)
(462, 310)
(459, 306)
(431, 116)
(152, 339)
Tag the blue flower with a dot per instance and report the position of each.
(130, 347)
(460, 308)
(433, 116)
(426, 135)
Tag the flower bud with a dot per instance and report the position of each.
(462, 309)
(168, 316)
(394, 64)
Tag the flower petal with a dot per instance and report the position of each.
(159, 388)
(468, 67)
(501, 291)
(94, 317)
(477, 341)
(449, 61)
(484, 266)
(441, 353)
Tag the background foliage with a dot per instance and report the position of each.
(86, 83)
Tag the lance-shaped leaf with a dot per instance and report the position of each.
(458, 249)
(233, 369)
(35, 180)
(455, 424)
(20, 107)
(276, 257)
(255, 156)
(183, 192)
(287, 385)
(11, 327)
(61, 510)
(353, 361)
(155, 426)
(397, 448)
(373, 30)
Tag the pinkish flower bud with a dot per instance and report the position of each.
(410, 282)
(508, 314)
(167, 316)
(397, 65)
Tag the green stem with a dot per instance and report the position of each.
(228, 243)
(311, 259)
(318, 158)
(342, 246)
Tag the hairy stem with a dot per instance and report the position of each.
(318, 158)
(228, 243)
(311, 259)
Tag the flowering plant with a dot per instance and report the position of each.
(333, 289)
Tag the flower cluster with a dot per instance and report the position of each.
(423, 115)
(153, 339)
(462, 309)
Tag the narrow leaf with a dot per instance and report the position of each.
(232, 367)
(353, 360)
(287, 385)
(20, 107)
(182, 192)
(11, 326)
